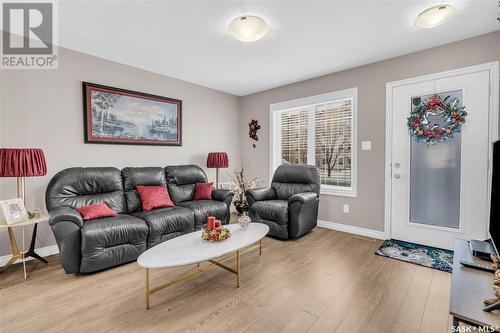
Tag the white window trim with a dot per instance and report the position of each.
(310, 101)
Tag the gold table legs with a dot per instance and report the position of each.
(201, 269)
(237, 269)
(147, 289)
(18, 255)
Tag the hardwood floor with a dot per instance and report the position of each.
(326, 281)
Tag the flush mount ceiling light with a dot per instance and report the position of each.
(248, 28)
(434, 16)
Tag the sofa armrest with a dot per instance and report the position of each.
(260, 194)
(225, 196)
(63, 213)
(303, 198)
(66, 224)
(222, 195)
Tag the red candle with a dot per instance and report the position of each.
(210, 223)
(217, 223)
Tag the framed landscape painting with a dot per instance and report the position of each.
(119, 116)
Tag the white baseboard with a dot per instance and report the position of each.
(352, 229)
(43, 252)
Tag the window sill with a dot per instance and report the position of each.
(350, 193)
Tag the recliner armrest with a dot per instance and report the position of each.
(303, 198)
(64, 213)
(261, 194)
(303, 213)
(221, 194)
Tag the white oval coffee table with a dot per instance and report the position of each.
(192, 249)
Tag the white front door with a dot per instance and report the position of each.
(440, 192)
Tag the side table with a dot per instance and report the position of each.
(21, 254)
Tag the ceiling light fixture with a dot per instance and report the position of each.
(434, 16)
(248, 28)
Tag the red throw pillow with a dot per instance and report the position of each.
(154, 197)
(203, 191)
(96, 211)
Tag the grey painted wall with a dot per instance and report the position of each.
(367, 210)
(43, 108)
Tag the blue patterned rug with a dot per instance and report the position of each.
(417, 254)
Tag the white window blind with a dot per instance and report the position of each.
(294, 136)
(320, 134)
(333, 139)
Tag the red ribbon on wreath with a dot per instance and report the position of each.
(435, 102)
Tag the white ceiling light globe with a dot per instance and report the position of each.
(434, 16)
(248, 28)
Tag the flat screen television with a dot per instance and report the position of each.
(495, 198)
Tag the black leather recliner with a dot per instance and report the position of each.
(102, 243)
(290, 206)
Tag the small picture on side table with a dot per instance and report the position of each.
(13, 211)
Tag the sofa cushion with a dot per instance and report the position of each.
(146, 176)
(273, 210)
(180, 193)
(112, 241)
(185, 174)
(203, 191)
(96, 211)
(205, 208)
(165, 223)
(78, 187)
(181, 180)
(154, 197)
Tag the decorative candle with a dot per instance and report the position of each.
(210, 223)
(217, 223)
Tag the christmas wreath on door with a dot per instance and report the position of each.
(452, 114)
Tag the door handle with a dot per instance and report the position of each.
(397, 175)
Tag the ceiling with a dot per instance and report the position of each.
(189, 40)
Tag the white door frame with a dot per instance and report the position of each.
(492, 67)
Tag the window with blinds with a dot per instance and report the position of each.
(319, 131)
(294, 137)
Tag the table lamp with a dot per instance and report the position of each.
(21, 163)
(217, 160)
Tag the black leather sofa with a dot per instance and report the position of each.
(290, 206)
(102, 243)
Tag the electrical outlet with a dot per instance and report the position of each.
(346, 208)
(366, 145)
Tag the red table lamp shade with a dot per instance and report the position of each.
(217, 160)
(23, 162)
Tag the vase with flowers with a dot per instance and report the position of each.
(240, 185)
